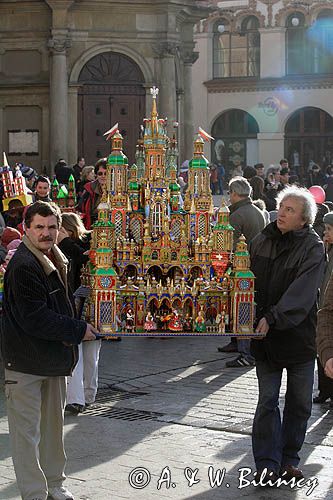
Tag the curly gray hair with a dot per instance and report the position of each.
(304, 195)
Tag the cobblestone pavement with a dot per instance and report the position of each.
(171, 407)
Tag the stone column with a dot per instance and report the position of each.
(166, 52)
(189, 57)
(73, 152)
(58, 99)
(58, 45)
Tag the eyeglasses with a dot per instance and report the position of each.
(101, 174)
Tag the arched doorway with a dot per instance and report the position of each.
(235, 132)
(309, 139)
(111, 92)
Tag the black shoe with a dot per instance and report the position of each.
(240, 362)
(231, 347)
(320, 399)
(74, 408)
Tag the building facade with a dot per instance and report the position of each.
(263, 81)
(69, 69)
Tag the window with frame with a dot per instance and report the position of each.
(236, 53)
(309, 50)
(156, 218)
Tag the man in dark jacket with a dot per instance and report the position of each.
(39, 338)
(249, 220)
(288, 260)
(63, 172)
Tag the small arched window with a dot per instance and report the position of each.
(236, 53)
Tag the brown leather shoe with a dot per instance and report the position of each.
(288, 472)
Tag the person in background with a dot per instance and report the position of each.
(182, 184)
(220, 177)
(329, 183)
(260, 170)
(272, 187)
(63, 171)
(39, 339)
(213, 178)
(74, 241)
(237, 171)
(325, 384)
(284, 176)
(42, 189)
(92, 194)
(261, 205)
(8, 235)
(14, 215)
(87, 175)
(77, 168)
(318, 225)
(316, 176)
(325, 331)
(248, 220)
(284, 163)
(249, 172)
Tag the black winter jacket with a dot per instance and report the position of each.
(39, 334)
(289, 270)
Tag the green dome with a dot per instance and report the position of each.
(174, 186)
(133, 185)
(117, 158)
(200, 162)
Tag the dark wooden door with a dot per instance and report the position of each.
(100, 112)
(112, 91)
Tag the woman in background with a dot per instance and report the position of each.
(74, 241)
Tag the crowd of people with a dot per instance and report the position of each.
(289, 232)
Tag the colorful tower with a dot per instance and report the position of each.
(116, 185)
(198, 197)
(222, 242)
(14, 187)
(242, 290)
(102, 278)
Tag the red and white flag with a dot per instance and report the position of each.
(111, 132)
(205, 135)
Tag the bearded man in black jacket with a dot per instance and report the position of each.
(39, 338)
(288, 260)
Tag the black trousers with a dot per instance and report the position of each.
(325, 384)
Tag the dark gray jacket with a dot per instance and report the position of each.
(246, 219)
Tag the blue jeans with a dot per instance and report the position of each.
(277, 444)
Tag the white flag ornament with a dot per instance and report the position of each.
(5, 161)
(205, 135)
(111, 132)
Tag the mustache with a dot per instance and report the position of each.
(45, 239)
